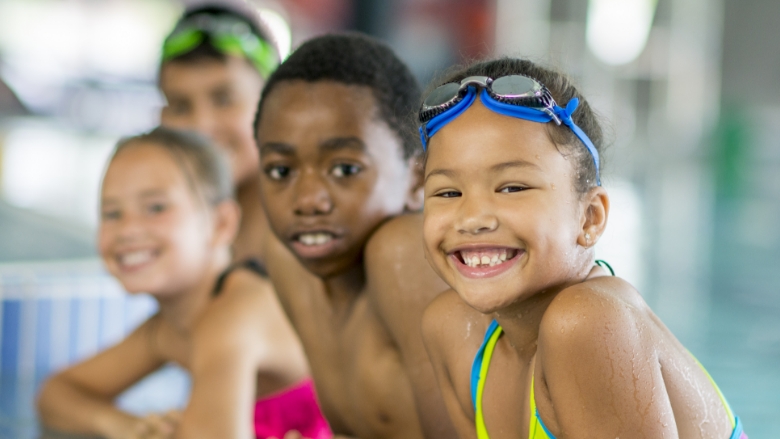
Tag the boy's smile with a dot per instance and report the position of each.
(332, 171)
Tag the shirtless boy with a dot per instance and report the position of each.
(338, 159)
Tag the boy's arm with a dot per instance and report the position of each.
(401, 284)
(243, 333)
(601, 370)
(80, 399)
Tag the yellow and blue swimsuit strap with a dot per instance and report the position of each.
(479, 371)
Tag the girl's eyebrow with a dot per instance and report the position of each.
(514, 164)
(445, 172)
(495, 168)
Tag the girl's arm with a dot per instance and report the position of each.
(448, 345)
(600, 367)
(242, 334)
(80, 399)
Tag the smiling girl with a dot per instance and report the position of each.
(535, 339)
(168, 219)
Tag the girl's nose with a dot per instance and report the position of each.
(475, 217)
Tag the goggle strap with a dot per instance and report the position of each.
(435, 124)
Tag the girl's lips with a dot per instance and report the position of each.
(483, 268)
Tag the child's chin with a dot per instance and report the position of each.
(484, 300)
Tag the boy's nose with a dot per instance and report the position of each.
(312, 196)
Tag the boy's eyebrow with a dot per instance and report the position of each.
(277, 147)
(338, 143)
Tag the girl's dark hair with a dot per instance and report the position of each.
(204, 166)
(356, 59)
(562, 90)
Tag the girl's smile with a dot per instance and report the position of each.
(479, 262)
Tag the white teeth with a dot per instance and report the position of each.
(484, 258)
(135, 258)
(318, 238)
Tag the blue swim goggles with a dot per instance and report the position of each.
(515, 96)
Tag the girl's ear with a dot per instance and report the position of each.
(414, 195)
(227, 217)
(594, 219)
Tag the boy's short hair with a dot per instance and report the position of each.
(204, 166)
(205, 50)
(356, 59)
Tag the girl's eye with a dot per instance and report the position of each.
(510, 189)
(156, 208)
(108, 215)
(345, 170)
(277, 172)
(448, 194)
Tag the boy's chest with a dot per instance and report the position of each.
(359, 374)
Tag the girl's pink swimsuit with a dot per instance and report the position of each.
(295, 408)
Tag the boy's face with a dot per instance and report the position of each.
(331, 171)
(217, 99)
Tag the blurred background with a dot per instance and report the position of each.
(688, 90)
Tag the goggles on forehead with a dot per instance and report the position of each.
(229, 35)
(514, 95)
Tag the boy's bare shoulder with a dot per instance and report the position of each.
(400, 282)
(399, 237)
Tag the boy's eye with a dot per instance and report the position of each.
(345, 170)
(449, 194)
(277, 172)
(510, 189)
(222, 99)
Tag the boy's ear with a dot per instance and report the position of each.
(594, 216)
(227, 217)
(414, 195)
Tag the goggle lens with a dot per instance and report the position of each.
(514, 86)
(443, 94)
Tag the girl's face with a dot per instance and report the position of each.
(155, 233)
(502, 219)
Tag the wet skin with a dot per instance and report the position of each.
(353, 283)
(603, 364)
(218, 99)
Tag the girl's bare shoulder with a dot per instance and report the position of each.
(601, 314)
(450, 326)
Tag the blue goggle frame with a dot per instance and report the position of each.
(514, 95)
